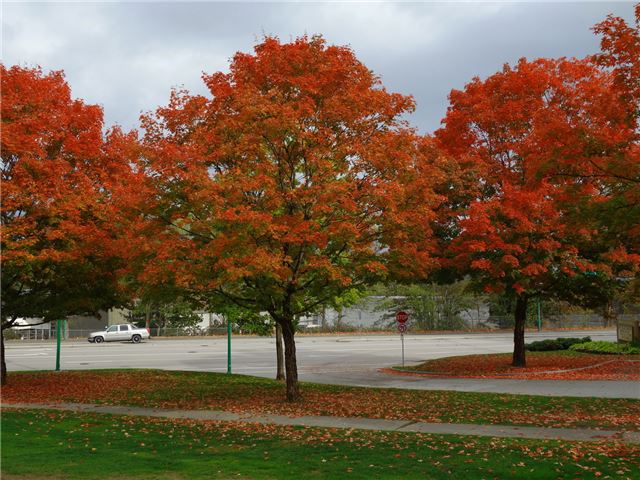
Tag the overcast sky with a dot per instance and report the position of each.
(127, 56)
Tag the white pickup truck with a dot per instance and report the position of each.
(119, 333)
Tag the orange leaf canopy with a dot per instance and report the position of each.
(298, 178)
(56, 215)
(530, 135)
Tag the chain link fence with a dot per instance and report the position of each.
(75, 334)
(547, 322)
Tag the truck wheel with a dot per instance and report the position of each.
(98, 340)
(135, 339)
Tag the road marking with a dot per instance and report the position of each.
(41, 354)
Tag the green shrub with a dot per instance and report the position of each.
(543, 346)
(606, 347)
(554, 344)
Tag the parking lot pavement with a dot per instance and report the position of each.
(339, 359)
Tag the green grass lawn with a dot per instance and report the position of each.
(240, 393)
(59, 445)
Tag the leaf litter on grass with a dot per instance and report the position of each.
(209, 391)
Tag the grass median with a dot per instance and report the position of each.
(240, 393)
(56, 445)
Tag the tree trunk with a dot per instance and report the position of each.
(3, 374)
(291, 367)
(519, 359)
(279, 353)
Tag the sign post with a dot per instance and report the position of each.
(401, 321)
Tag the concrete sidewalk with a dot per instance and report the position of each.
(504, 431)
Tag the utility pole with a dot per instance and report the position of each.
(58, 335)
(228, 346)
(539, 317)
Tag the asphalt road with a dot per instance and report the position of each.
(343, 359)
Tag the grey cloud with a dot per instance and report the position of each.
(127, 57)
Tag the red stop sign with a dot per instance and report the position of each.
(402, 317)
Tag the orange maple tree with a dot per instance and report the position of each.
(620, 52)
(611, 166)
(515, 132)
(57, 220)
(296, 180)
(618, 175)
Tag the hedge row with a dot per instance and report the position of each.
(555, 344)
(605, 347)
